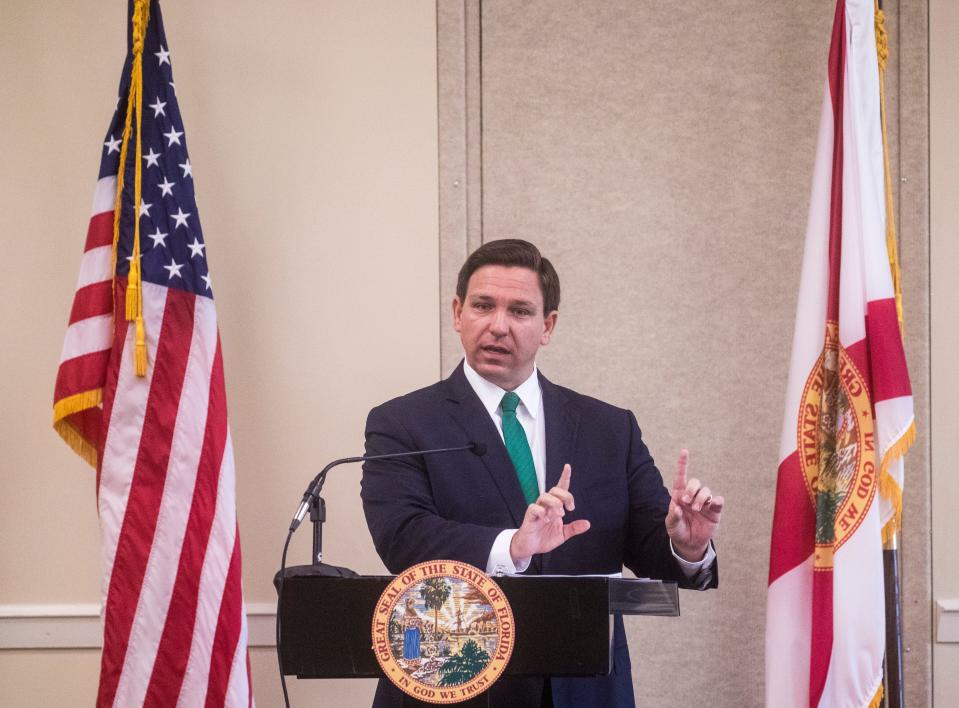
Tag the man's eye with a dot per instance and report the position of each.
(482, 305)
(522, 312)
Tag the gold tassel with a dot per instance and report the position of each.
(134, 300)
(132, 295)
(876, 701)
(140, 349)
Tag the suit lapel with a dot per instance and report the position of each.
(562, 423)
(467, 410)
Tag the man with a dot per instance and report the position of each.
(565, 485)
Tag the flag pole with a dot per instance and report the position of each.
(895, 687)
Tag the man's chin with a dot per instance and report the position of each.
(498, 372)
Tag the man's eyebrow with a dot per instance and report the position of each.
(481, 297)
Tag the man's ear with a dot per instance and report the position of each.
(549, 324)
(457, 313)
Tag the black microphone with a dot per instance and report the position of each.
(313, 491)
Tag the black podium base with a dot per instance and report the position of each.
(478, 702)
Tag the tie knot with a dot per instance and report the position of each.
(510, 402)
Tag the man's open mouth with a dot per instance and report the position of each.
(493, 349)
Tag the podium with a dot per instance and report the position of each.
(563, 623)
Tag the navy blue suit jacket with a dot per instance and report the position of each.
(454, 505)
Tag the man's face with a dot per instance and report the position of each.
(502, 323)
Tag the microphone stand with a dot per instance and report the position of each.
(317, 517)
(314, 504)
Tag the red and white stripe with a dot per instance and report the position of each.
(174, 623)
(825, 630)
(88, 341)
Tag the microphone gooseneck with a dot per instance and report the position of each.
(313, 491)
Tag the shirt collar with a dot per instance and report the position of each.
(529, 392)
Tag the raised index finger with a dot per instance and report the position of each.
(563, 482)
(679, 483)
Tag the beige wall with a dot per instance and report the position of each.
(944, 297)
(312, 129)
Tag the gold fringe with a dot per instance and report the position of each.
(891, 492)
(877, 699)
(71, 436)
(882, 51)
(76, 403)
(889, 488)
(79, 444)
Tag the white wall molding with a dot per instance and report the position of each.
(78, 626)
(947, 620)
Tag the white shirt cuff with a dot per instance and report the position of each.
(500, 561)
(689, 568)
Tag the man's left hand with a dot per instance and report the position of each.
(693, 514)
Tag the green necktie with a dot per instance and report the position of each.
(518, 448)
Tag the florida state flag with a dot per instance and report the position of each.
(849, 413)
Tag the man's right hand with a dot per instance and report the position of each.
(543, 529)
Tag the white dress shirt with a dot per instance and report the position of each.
(532, 417)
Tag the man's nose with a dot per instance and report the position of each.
(498, 324)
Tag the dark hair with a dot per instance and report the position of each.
(512, 252)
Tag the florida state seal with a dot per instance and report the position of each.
(836, 447)
(443, 631)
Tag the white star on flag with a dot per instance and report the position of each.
(180, 217)
(159, 238)
(187, 168)
(152, 158)
(174, 269)
(144, 208)
(196, 248)
(166, 187)
(158, 108)
(163, 55)
(173, 136)
(208, 281)
(113, 145)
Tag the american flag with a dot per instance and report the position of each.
(175, 629)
